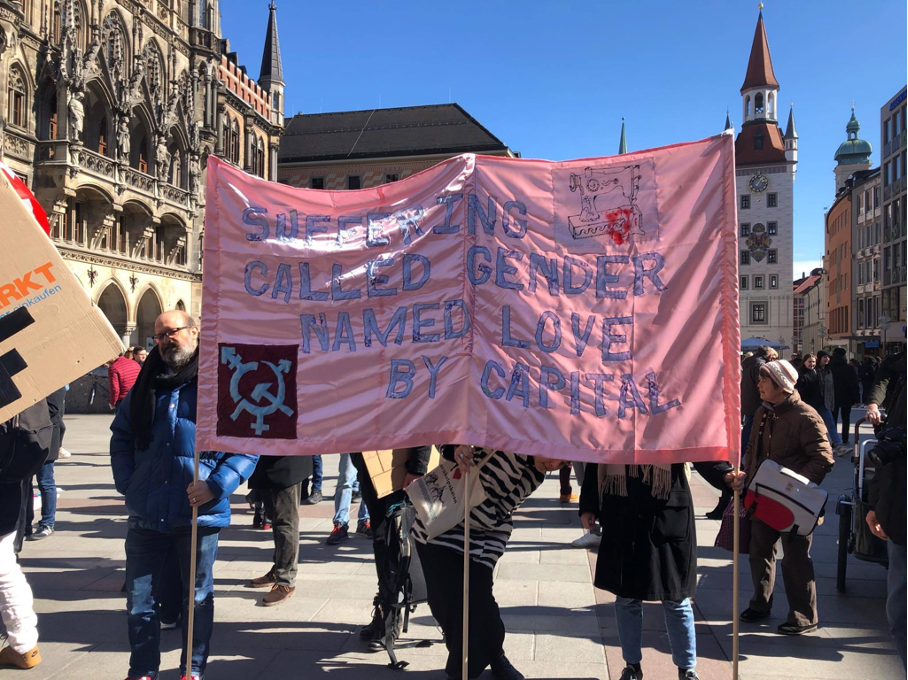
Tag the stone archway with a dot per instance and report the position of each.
(148, 310)
(113, 304)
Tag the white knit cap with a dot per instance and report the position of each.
(782, 374)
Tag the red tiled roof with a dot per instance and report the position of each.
(807, 284)
(759, 68)
(773, 150)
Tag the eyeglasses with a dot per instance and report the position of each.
(170, 332)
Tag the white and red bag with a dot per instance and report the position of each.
(785, 500)
(27, 197)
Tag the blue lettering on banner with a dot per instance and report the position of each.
(309, 324)
(374, 239)
(521, 229)
(283, 282)
(548, 268)
(520, 384)
(485, 270)
(343, 332)
(419, 323)
(306, 292)
(282, 231)
(575, 393)
(546, 383)
(448, 201)
(652, 273)
(629, 397)
(342, 231)
(409, 260)
(556, 331)
(370, 327)
(653, 388)
(337, 272)
(249, 217)
(568, 276)
(450, 333)
(609, 338)
(581, 339)
(506, 339)
(433, 373)
(409, 218)
(487, 219)
(314, 226)
(402, 371)
(492, 365)
(373, 280)
(599, 380)
(604, 279)
(251, 267)
(503, 269)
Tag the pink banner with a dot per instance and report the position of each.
(586, 310)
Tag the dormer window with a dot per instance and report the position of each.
(758, 141)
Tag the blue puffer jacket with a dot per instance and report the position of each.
(154, 480)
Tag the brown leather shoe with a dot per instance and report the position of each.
(277, 595)
(30, 659)
(266, 581)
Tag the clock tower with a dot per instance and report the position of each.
(765, 166)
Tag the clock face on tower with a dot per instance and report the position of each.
(759, 183)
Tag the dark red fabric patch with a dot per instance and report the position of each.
(257, 391)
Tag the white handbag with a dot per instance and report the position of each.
(785, 500)
(438, 496)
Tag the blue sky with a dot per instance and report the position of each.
(553, 79)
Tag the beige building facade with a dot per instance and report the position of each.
(109, 110)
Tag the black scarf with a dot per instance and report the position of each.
(154, 376)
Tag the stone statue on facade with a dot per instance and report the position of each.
(76, 113)
(162, 157)
(123, 139)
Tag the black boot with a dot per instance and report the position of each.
(375, 626)
(719, 510)
(503, 670)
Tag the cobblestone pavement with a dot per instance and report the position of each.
(558, 625)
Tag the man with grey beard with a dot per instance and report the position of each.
(152, 456)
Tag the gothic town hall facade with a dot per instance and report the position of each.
(109, 112)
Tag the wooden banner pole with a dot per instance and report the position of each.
(193, 546)
(466, 575)
(735, 621)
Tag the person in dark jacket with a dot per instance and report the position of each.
(25, 442)
(280, 481)
(792, 434)
(44, 478)
(888, 492)
(648, 550)
(847, 389)
(417, 464)
(867, 375)
(152, 453)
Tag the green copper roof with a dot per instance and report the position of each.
(853, 151)
(622, 142)
(853, 124)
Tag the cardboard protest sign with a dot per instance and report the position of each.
(50, 333)
(585, 310)
(387, 468)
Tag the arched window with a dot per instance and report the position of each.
(17, 97)
(56, 24)
(114, 39)
(758, 102)
(176, 169)
(235, 142)
(52, 117)
(260, 158)
(747, 105)
(143, 155)
(203, 14)
(102, 136)
(771, 105)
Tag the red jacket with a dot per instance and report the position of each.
(122, 374)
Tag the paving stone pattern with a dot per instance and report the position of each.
(558, 625)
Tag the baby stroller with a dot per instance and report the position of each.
(854, 534)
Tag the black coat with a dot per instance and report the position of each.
(280, 472)
(649, 545)
(810, 388)
(845, 380)
(750, 395)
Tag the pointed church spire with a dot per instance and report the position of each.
(272, 71)
(790, 131)
(728, 125)
(622, 142)
(759, 67)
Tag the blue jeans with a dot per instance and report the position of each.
(343, 495)
(895, 603)
(679, 622)
(45, 479)
(316, 473)
(146, 554)
(834, 438)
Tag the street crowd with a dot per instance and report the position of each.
(640, 517)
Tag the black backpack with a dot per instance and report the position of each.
(888, 487)
(401, 584)
(25, 441)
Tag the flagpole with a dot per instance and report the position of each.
(735, 621)
(466, 575)
(193, 542)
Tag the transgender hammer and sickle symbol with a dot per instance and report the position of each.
(275, 402)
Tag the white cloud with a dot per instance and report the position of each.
(804, 267)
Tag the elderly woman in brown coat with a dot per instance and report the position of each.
(791, 433)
